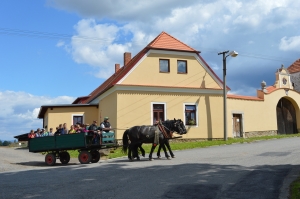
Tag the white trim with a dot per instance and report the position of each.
(197, 118)
(173, 53)
(165, 110)
(156, 89)
(83, 120)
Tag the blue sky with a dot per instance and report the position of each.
(53, 51)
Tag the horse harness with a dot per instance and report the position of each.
(160, 127)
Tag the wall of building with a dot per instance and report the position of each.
(60, 115)
(108, 108)
(147, 73)
(260, 116)
(134, 108)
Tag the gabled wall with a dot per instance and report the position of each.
(146, 72)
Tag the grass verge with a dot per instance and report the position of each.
(295, 189)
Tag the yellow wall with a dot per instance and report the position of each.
(147, 73)
(134, 108)
(60, 115)
(260, 115)
(108, 108)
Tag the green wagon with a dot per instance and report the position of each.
(56, 147)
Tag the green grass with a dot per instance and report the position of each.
(295, 189)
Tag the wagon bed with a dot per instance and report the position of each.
(56, 147)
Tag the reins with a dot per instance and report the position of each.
(163, 128)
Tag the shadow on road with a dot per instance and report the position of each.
(169, 181)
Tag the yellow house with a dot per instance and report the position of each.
(168, 79)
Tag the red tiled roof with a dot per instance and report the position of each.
(80, 100)
(295, 67)
(244, 97)
(162, 41)
(166, 41)
(270, 89)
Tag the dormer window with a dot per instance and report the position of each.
(181, 67)
(164, 66)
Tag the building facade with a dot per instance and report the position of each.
(168, 79)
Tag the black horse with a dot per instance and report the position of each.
(151, 134)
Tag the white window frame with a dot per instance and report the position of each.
(83, 120)
(151, 108)
(197, 118)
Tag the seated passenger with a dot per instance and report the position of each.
(42, 133)
(105, 125)
(58, 130)
(38, 133)
(93, 127)
(31, 134)
(64, 129)
(49, 133)
(72, 130)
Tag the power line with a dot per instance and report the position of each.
(49, 35)
(251, 55)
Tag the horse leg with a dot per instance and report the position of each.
(152, 149)
(169, 148)
(165, 150)
(135, 152)
(158, 152)
(142, 150)
(129, 152)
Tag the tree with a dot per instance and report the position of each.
(0, 143)
(6, 143)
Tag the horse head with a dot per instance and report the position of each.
(179, 126)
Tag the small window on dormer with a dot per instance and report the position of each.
(181, 67)
(164, 66)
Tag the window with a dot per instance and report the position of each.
(164, 66)
(158, 112)
(77, 119)
(190, 115)
(181, 67)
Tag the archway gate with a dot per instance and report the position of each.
(286, 117)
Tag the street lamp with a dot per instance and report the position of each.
(225, 55)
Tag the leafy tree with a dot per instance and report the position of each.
(0, 143)
(6, 143)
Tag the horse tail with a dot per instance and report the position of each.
(125, 141)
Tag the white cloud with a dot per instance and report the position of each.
(291, 43)
(20, 110)
(96, 45)
(60, 43)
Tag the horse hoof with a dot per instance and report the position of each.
(150, 159)
(158, 157)
(173, 156)
(169, 158)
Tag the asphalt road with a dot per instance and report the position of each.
(259, 170)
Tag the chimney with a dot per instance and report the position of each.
(127, 58)
(117, 67)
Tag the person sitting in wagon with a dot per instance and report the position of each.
(31, 134)
(105, 125)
